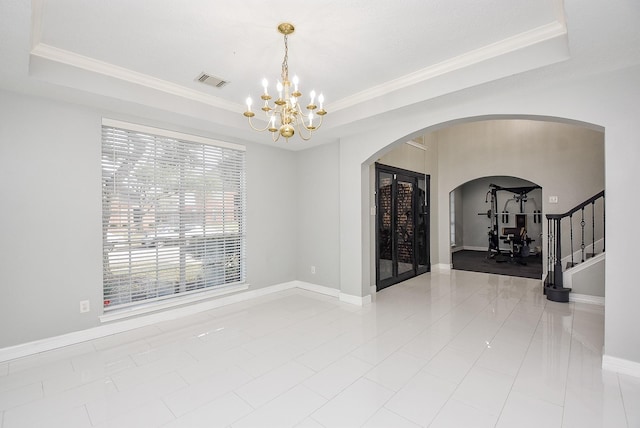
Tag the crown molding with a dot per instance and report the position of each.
(507, 46)
(72, 59)
(503, 47)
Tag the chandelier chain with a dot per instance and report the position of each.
(285, 62)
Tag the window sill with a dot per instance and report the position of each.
(118, 314)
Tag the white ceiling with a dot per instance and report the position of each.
(142, 56)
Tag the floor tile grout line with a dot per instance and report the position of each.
(515, 378)
(253, 409)
(435, 355)
(86, 410)
(624, 407)
(566, 379)
(470, 368)
(384, 406)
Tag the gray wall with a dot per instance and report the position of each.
(318, 237)
(51, 215)
(408, 157)
(50, 253)
(565, 160)
(272, 218)
(590, 281)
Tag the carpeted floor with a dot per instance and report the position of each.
(477, 261)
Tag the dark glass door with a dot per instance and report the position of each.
(402, 218)
(405, 226)
(385, 231)
(423, 260)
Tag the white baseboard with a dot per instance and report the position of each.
(585, 298)
(122, 325)
(355, 300)
(620, 365)
(441, 266)
(174, 303)
(334, 292)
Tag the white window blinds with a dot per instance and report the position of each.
(173, 214)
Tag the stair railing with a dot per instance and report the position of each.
(553, 284)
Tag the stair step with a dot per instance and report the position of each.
(587, 257)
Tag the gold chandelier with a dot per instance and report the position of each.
(286, 117)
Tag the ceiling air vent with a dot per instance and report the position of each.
(210, 80)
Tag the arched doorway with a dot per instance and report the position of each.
(496, 227)
(566, 158)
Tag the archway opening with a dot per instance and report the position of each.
(495, 226)
(565, 157)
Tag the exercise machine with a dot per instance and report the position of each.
(515, 237)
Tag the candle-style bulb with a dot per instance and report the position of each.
(295, 83)
(265, 84)
(313, 96)
(321, 100)
(249, 102)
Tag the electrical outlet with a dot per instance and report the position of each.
(553, 199)
(313, 270)
(84, 306)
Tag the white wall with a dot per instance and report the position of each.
(51, 247)
(607, 99)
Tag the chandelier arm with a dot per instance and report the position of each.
(302, 129)
(315, 127)
(302, 116)
(257, 129)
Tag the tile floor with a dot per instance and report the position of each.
(458, 349)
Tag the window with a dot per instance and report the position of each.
(173, 214)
